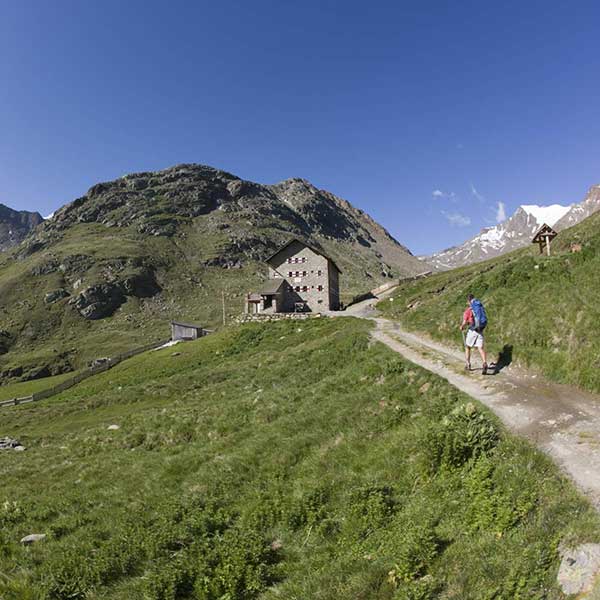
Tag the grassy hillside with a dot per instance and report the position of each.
(293, 461)
(542, 310)
(111, 268)
(56, 336)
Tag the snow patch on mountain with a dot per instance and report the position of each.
(546, 214)
(516, 231)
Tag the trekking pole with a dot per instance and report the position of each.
(464, 339)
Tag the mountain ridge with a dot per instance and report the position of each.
(515, 232)
(113, 267)
(15, 225)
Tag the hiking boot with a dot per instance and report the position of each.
(467, 366)
(484, 369)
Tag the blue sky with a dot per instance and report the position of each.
(427, 115)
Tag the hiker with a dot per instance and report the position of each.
(475, 319)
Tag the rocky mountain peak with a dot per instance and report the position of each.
(516, 232)
(249, 219)
(578, 212)
(15, 225)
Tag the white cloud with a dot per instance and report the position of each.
(457, 219)
(500, 212)
(443, 195)
(476, 193)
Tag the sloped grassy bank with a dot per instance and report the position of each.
(543, 311)
(278, 461)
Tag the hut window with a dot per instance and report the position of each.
(319, 272)
(303, 273)
(304, 259)
(297, 288)
(290, 274)
(296, 259)
(320, 288)
(305, 288)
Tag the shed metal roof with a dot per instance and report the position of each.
(189, 325)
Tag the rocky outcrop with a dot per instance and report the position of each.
(15, 225)
(142, 284)
(37, 373)
(99, 301)
(162, 203)
(55, 296)
(103, 299)
(581, 211)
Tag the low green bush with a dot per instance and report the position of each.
(464, 434)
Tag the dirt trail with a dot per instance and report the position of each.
(561, 420)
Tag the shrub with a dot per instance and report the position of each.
(426, 588)
(242, 562)
(496, 506)
(169, 579)
(418, 545)
(309, 509)
(370, 507)
(462, 435)
(69, 574)
(11, 512)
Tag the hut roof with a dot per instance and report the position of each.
(271, 286)
(189, 325)
(315, 250)
(544, 231)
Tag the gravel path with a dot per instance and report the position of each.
(561, 420)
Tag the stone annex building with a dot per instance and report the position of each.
(301, 279)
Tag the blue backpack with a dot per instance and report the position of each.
(479, 314)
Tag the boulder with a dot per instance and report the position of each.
(141, 285)
(98, 362)
(32, 538)
(99, 301)
(36, 373)
(45, 268)
(56, 295)
(7, 443)
(579, 568)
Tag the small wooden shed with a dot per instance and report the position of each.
(543, 237)
(186, 331)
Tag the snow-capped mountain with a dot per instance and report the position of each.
(516, 232)
(581, 211)
(546, 214)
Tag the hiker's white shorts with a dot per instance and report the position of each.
(474, 339)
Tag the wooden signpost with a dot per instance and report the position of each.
(543, 237)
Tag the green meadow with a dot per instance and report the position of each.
(289, 460)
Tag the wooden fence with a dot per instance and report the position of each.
(90, 372)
